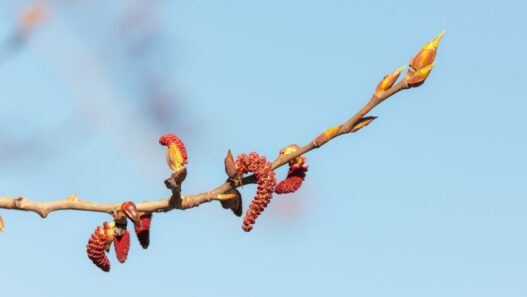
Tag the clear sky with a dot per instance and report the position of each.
(429, 200)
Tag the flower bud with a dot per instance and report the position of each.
(363, 122)
(96, 249)
(427, 54)
(230, 167)
(388, 81)
(176, 153)
(109, 232)
(122, 246)
(143, 230)
(295, 176)
(419, 76)
(130, 209)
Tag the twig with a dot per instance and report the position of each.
(185, 201)
(420, 67)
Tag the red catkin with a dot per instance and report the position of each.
(295, 176)
(168, 139)
(95, 249)
(143, 231)
(266, 182)
(122, 246)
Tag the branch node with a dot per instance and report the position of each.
(43, 213)
(72, 198)
(18, 201)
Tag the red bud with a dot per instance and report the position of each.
(95, 249)
(143, 231)
(130, 210)
(295, 176)
(122, 246)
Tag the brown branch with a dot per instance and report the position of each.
(420, 67)
(177, 201)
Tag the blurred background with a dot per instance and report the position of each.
(429, 200)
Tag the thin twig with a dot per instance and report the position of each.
(187, 201)
(420, 67)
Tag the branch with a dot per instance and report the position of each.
(187, 201)
(420, 67)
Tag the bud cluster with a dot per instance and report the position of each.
(117, 233)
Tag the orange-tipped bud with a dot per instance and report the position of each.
(419, 77)
(130, 210)
(176, 153)
(1, 224)
(122, 246)
(427, 54)
(388, 81)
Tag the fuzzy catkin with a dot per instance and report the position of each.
(143, 231)
(167, 139)
(95, 249)
(122, 246)
(266, 182)
(295, 176)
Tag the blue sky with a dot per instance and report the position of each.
(429, 200)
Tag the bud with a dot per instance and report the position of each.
(1, 224)
(122, 246)
(143, 231)
(427, 54)
(96, 249)
(289, 149)
(388, 81)
(295, 176)
(326, 135)
(176, 153)
(119, 216)
(234, 203)
(419, 77)
(109, 232)
(363, 122)
(230, 167)
(130, 210)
